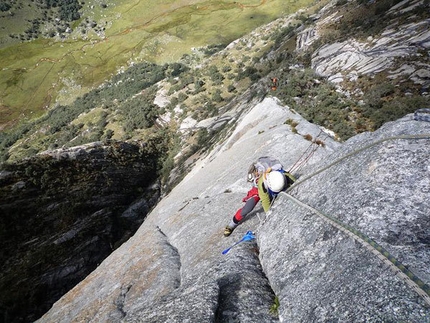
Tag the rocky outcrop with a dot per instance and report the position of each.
(399, 50)
(62, 213)
(172, 269)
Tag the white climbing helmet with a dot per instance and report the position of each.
(275, 181)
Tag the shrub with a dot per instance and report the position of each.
(175, 69)
(139, 114)
(308, 137)
(226, 68)
(231, 88)
(216, 96)
(212, 49)
(394, 109)
(250, 72)
(182, 97)
(374, 97)
(215, 75)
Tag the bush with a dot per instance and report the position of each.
(4, 6)
(215, 75)
(317, 101)
(226, 68)
(199, 86)
(212, 49)
(231, 88)
(175, 69)
(217, 96)
(182, 97)
(139, 114)
(375, 97)
(394, 109)
(250, 72)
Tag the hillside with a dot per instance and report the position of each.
(52, 52)
(120, 149)
(354, 91)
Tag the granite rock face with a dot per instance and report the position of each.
(395, 50)
(173, 269)
(62, 213)
(381, 189)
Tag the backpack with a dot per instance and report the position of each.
(261, 165)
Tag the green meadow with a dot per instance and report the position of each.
(39, 73)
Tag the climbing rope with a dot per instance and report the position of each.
(302, 180)
(422, 115)
(417, 116)
(404, 273)
(308, 153)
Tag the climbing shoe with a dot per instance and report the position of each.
(228, 231)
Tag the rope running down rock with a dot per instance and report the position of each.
(396, 266)
(408, 276)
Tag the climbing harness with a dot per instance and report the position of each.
(422, 115)
(301, 161)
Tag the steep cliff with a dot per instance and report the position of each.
(62, 213)
(65, 210)
(172, 269)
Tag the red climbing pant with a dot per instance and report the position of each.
(251, 200)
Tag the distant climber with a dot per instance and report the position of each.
(274, 84)
(268, 178)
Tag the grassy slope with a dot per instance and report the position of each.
(205, 89)
(33, 74)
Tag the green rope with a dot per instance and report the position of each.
(408, 276)
(300, 181)
(402, 271)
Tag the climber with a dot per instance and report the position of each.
(268, 178)
(274, 83)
